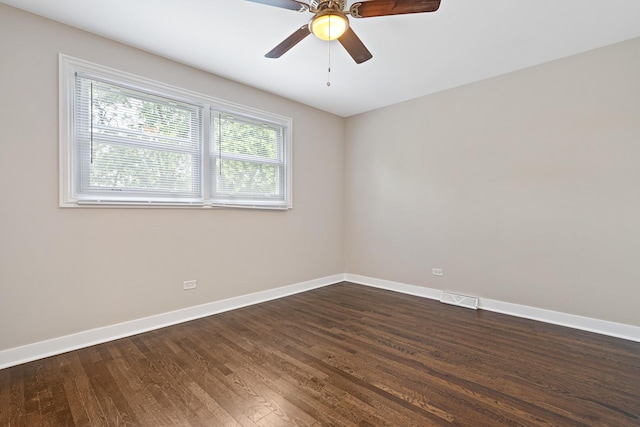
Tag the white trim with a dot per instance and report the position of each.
(52, 347)
(403, 288)
(603, 327)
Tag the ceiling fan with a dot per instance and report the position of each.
(330, 22)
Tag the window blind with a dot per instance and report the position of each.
(136, 146)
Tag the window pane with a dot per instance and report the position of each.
(124, 113)
(248, 161)
(135, 145)
(246, 178)
(124, 167)
(243, 136)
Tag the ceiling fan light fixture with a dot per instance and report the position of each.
(329, 25)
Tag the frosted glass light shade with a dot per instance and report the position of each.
(329, 26)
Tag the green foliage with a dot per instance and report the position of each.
(238, 136)
(119, 166)
(246, 178)
(129, 118)
(248, 150)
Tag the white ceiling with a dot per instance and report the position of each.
(413, 55)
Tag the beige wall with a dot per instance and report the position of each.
(69, 270)
(524, 188)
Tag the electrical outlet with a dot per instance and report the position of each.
(437, 271)
(189, 284)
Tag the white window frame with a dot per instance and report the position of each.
(280, 160)
(68, 162)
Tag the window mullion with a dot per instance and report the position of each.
(205, 141)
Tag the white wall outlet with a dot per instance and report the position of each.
(189, 284)
(437, 271)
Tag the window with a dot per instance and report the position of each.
(131, 145)
(126, 140)
(249, 161)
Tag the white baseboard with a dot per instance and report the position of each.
(419, 291)
(42, 349)
(603, 327)
(618, 330)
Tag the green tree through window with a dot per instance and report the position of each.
(248, 156)
(139, 144)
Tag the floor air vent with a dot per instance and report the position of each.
(459, 300)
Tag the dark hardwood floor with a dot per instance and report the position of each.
(343, 355)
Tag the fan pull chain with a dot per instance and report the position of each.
(329, 57)
(329, 60)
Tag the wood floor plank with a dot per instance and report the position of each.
(343, 355)
(33, 388)
(5, 398)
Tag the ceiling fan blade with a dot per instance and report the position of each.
(285, 4)
(368, 9)
(289, 42)
(355, 47)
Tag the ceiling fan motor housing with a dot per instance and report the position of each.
(319, 5)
